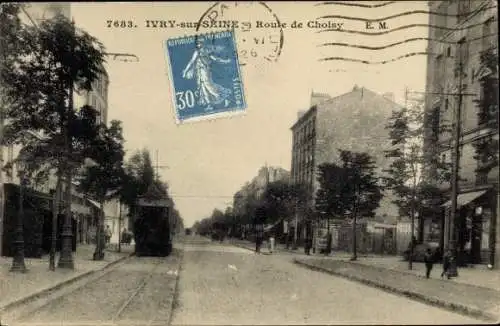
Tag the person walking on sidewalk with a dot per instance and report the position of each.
(259, 237)
(271, 243)
(107, 234)
(429, 262)
(446, 263)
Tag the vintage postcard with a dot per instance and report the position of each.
(249, 163)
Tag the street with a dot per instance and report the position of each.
(220, 284)
(138, 292)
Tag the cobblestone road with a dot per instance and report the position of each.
(138, 292)
(221, 285)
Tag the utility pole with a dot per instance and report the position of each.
(55, 214)
(2, 192)
(412, 207)
(453, 230)
(158, 167)
(296, 223)
(119, 225)
(66, 257)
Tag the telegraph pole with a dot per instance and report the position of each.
(158, 167)
(412, 208)
(66, 257)
(453, 230)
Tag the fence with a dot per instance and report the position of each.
(370, 238)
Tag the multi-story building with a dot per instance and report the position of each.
(254, 189)
(353, 121)
(468, 28)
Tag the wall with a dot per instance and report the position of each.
(364, 115)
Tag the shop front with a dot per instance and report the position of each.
(475, 226)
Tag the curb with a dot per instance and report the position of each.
(251, 249)
(455, 307)
(58, 286)
(176, 289)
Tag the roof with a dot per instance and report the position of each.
(336, 98)
(304, 116)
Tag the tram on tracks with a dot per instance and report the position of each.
(153, 226)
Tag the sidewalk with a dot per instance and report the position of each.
(477, 275)
(477, 301)
(476, 292)
(15, 288)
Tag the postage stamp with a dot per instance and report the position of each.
(205, 76)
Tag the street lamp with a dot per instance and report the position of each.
(18, 264)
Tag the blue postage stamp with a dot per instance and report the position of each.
(205, 75)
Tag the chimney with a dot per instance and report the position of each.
(300, 114)
(389, 96)
(355, 88)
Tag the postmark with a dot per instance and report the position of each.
(205, 76)
(258, 30)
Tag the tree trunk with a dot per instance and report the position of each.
(354, 238)
(354, 233)
(120, 227)
(412, 227)
(55, 215)
(99, 248)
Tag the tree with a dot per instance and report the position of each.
(10, 26)
(406, 172)
(104, 180)
(281, 198)
(139, 176)
(53, 58)
(360, 193)
(329, 202)
(138, 179)
(332, 179)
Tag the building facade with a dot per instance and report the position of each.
(253, 190)
(454, 72)
(317, 137)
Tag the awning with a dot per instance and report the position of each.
(464, 199)
(270, 226)
(94, 203)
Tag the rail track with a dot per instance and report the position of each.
(109, 309)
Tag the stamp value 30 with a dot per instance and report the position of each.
(205, 76)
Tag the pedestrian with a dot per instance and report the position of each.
(259, 237)
(308, 243)
(107, 234)
(446, 263)
(429, 262)
(271, 243)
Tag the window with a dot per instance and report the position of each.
(436, 114)
(488, 37)
(441, 20)
(481, 177)
(448, 52)
(440, 71)
(463, 9)
(462, 57)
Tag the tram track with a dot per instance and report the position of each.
(107, 298)
(134, 294)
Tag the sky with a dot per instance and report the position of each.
(208, 161)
